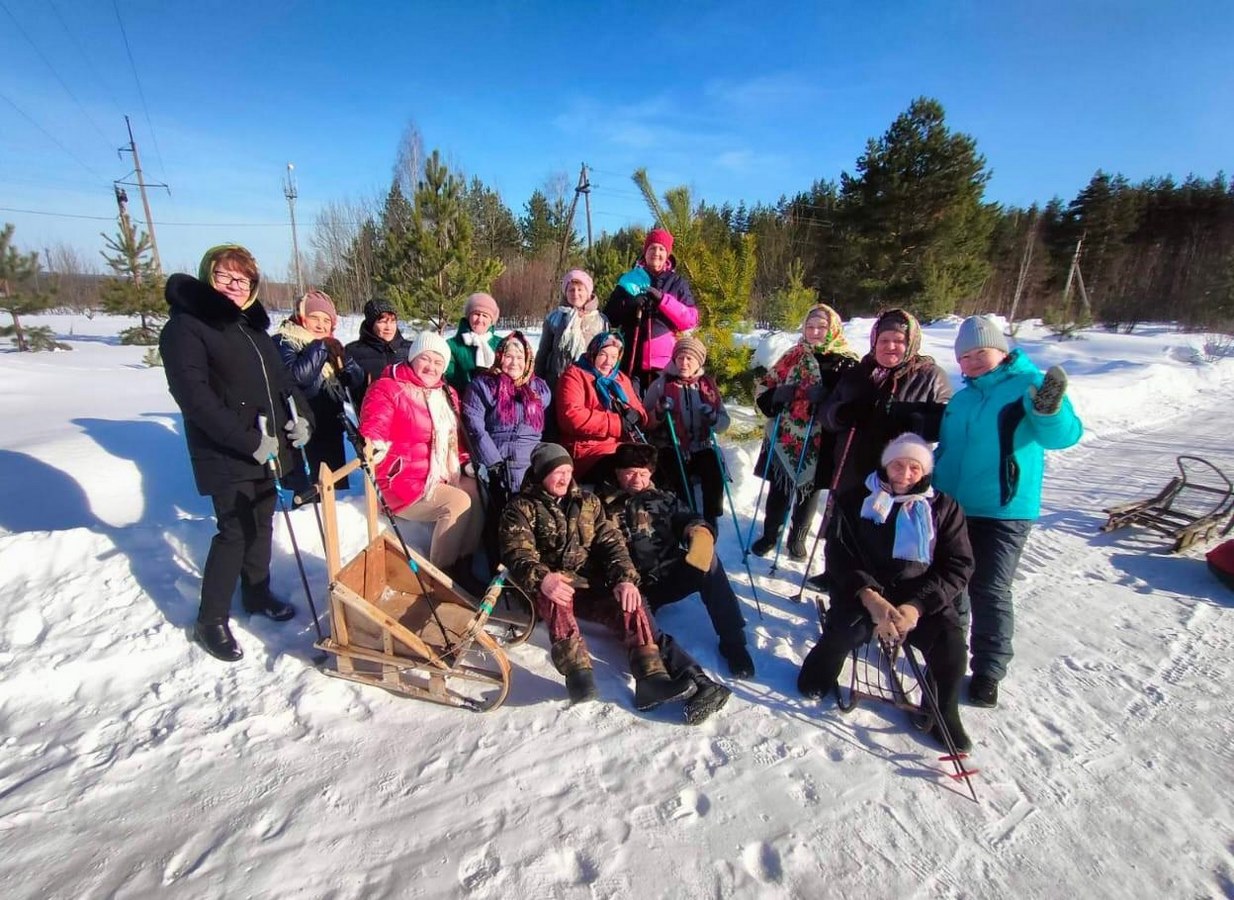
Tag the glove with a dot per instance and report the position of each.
(334, 354)
(708, 412)
(665, 404)
(378, 450)
(267, 448)
(298, 432)
(1048, 399)
(783, 395)
(496, 473)
(700, 548)
(817, 393)
(653, 296)
(630, 416)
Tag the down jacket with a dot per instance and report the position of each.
(493, 441)
(659, 328)
(588, 431)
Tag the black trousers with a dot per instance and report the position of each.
(777, 508)
(241, 549)
(681, 580)
(703, 465)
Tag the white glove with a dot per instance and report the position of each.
(378, 449)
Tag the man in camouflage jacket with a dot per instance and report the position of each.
(673, 549)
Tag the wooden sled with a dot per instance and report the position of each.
(1187, 509)
(405, 627)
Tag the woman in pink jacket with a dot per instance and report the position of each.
(410, 417)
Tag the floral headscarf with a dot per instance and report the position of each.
(511, 392)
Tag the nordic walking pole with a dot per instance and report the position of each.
(681, 466)
(728, 492)
(771, 449)
(955, 755)
(282, 493)
(308, 474)
(788, 513)
(822, 528)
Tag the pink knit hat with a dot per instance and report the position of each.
(659, 236)
(318, 302)
(481, 302)
(581, 277)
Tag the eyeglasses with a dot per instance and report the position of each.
(222, 279)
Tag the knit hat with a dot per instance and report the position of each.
(429, 342)
(581, 277)
(659, 236)
(602, 340)
(977, 333)
(692, 346)
(481, 302)
(909, 446)
(318, 302)
(547, 457)
(376, 308)
(635, 456)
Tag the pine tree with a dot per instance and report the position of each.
(17, 298)
(496, 231)
(392, 261)
(136, 289)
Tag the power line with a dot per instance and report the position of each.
(58, 215)
(51, 137)
(47, 62)
(140, 93)
(81, 49)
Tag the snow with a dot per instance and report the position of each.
(133, 763)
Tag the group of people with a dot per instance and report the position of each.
(492, 444)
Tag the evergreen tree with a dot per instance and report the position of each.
(496, 231)
(545, 225)
(789, 306)
(393, 261)
(135, 289)
(18, 297)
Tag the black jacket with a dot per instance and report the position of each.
(223, 371)
(653, 523)
(859, 555)
(373, 354)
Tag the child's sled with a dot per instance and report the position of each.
(877, 672)
(1190, 509)
(404, 625)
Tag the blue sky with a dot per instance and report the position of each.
(736, 99)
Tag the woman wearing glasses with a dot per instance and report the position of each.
(226, 376)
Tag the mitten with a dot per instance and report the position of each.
(708, 412)
(817, 393)
(298, 432)
(1048, 399)
(379, 449)
(665, 404)
(700, 548)
(334, 353)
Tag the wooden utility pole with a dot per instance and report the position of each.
(290, 192)
(585, 186)
(145, 201)
(1075, 276)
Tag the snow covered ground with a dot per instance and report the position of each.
(134, 764)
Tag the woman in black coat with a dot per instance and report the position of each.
(380, 344)
(227, 378)
(898, 555)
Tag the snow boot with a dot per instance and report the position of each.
(259, 601)
(740, 665)
(820, 582)
(820, 669)
(959, 736)
(764, 545)
(983, 691)
(652, 684)
(216, 639)
(581, 686)
(708, 699)
(797, 546)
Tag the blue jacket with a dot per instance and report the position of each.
(991, 450)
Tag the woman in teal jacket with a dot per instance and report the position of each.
(990, 458)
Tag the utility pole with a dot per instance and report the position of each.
(145, 202)
(1074, 275)
(584, 185)
(289, 191)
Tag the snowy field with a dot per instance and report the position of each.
(135, 765)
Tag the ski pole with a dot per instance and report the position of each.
(681, 466)
(728, 492)
(822, 528)
(771, 449)
(805, 448)
(282, 494)
(308, 475)
(955, 756)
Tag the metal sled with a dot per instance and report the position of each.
(1187, 509)
(404, 625)
(877, 672)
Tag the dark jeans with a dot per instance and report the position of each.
(997, 545)
(702, 465)
(681, 580)
(241, 548)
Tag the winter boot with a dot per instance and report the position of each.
(764, 545)
(571, 659)
(581, 686)
(258, 600)
(820, 669)
(797, 546)
(216, 639)
(708, 698)
(983, 691)
(652, 684)
(959, 736)
(740, 665)
(820, 582)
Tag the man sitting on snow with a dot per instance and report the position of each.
(673, 550)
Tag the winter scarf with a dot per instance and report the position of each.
(484, 353)
(298, 337)
(914, 522)
(578, 328)
(798, 366)
(607, 386)
(443, 461)
(510, 392)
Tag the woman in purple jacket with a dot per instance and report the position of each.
(503, 415)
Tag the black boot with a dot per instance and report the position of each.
(216, 639)
(820, 669)
(983, 691)
(581, 686)
(955, 728)
(797, 546)
(764, 545)
(708, 698)
(820, 582)
(259, 601)
(652, 684)
(571, 659)
(740, 665)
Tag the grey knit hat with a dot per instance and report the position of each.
(547, 457)
(977, 333)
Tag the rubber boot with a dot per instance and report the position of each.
(949, 708)
(571, 659)
(652, 684)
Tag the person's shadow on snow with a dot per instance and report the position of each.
(36, 496)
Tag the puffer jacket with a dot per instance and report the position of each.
(991, 452)
(551, 360)
(688, 396)
(541, 533)
(588, 431)
(659, 330)
(223, 372)
(493, 441)
(654, 524)
(461, 367)
(396, 410)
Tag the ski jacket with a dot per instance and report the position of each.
(373, 355)
(654, 524)
(223, 372)
(588, 431)
(396, 410)
(493, 441)
(910, 397)
(991, 452)
(859, 552)
(461, 367)
(659, 327)
(541, 533)
(688, 396)
(552, 359)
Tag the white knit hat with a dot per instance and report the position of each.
(909, 446)
(429, 342)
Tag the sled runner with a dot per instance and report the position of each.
(400, 623)
(1190, 509)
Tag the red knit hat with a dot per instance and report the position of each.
(659, 236)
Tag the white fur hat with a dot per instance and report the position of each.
(909, 446)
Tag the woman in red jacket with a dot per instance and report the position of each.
(409, 416)
(596, 405)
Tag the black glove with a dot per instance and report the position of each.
(335, 354)
(665, 404)
(655, 295)
(854, 414)
(630, 416)
(496, 473)
(708, 412)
